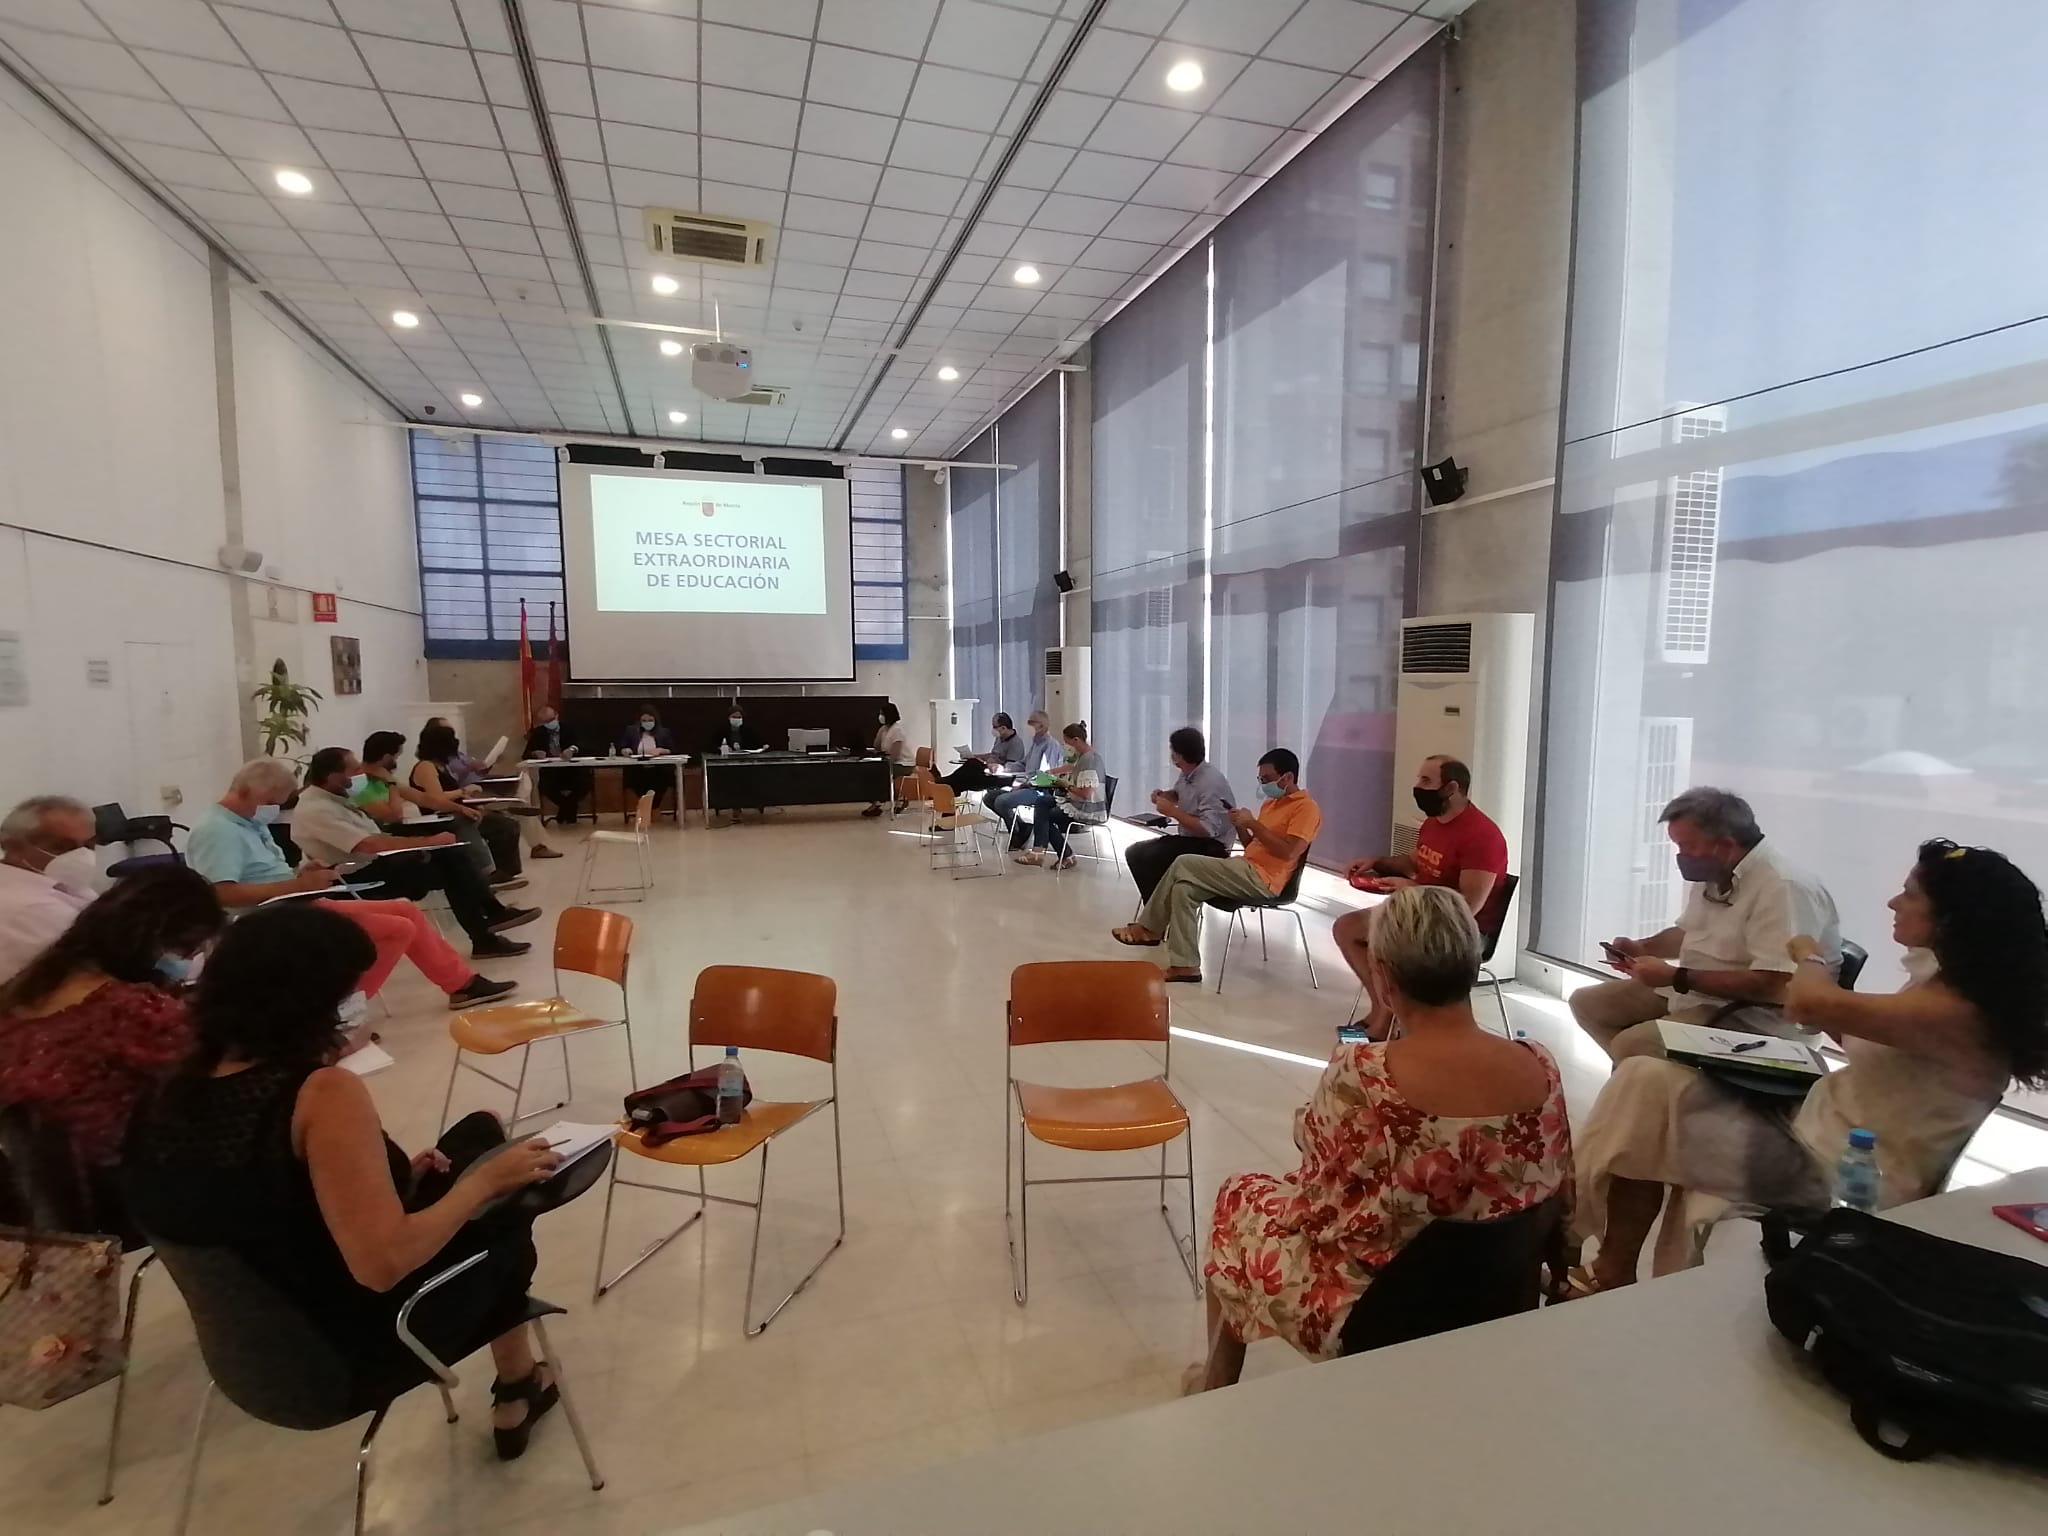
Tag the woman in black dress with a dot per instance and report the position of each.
(261, 1145)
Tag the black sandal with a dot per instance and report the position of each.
(538, 1399)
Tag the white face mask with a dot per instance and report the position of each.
(352, 1010)
(76, 871)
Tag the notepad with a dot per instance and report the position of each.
(371, 1058)
(497, 749)
(574, 1140)
(1706, 1045)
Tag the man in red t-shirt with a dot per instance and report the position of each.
(1458, 846)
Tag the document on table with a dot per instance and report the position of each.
(371, 1058)
(574, 1140)
(1737, 1048)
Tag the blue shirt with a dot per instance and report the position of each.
(1203, 793)
(1041, 754)
(227, 848)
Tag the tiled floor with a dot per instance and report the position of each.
(907, 1348)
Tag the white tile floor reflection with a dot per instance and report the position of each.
(907, 1348)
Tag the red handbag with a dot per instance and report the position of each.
(682, 1106)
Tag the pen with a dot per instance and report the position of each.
(1747, 1045)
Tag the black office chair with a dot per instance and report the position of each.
(265, 1356)
(1457, 1273)
(1489, 942)
(1284, 901)
(1066, 849)
(1854, 958)
(112, 825)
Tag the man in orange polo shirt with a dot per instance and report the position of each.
(1274, 842)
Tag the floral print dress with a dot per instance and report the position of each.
(1289, 1255)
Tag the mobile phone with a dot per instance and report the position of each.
(2030, 1219)
(1351, 1034)
(1613, 953)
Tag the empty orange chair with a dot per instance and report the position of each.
(756, 1009)
(588, 942)
(1092, 1000)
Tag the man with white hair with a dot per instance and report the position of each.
(34, 908)
(231, 845)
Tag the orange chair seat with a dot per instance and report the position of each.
(762, 1121)
(507, 1026)
(1119, 1119)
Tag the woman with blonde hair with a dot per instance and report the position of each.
(1441, 1121)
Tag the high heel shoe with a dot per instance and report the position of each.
(538, 1397)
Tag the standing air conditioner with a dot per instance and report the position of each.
(1464, 693)
(1067, 695)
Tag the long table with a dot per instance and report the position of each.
(1672, 1406)
(538, 766)
(756, 780)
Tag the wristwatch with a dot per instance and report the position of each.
(1681, 980)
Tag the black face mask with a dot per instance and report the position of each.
(1429, 801)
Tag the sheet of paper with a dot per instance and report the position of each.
(371, 1058)
(572, 1139)
(1701, 1040)
(497, 749)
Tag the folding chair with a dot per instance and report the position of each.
(949, 820)
(1068, 1000)
(1289, 894)
(1094, 829)
(635, 838)
(756, 1009)
(588, 942)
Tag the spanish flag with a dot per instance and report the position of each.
(525, 672)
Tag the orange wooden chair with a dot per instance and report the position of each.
(917, 786)
(588, 942)
(949, 819)
(1092, 1000)
(756, 1009)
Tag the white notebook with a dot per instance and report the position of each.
(371, 1058)
(573, 1140)
(1737, 1048)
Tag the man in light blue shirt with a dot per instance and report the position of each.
(1198, 808)
(1041, 753)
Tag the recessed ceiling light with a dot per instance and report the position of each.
(949, 373)
(1026, 274)
(298, 183)
(472, 400)
(899, 433)
(663, 284)
(404, 319)
(671, 348)
(1184, 76)
(677, 418)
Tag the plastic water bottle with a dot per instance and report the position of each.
(1856, 1173)
(732, 1087)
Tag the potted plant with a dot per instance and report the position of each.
(290, 704)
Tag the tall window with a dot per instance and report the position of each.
(490, 533)
(1028, 549)
(881, 630)
(976, 652)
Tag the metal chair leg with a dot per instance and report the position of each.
(448, 1403)
(1302, 928)
(448, 1098)
(1265, 956)
(121, 1383)
(1017, 1233)
(1229, 932)
(363, 1468)
(760, 1211)
(1507, 1027)
(540, 1337)
(184, 1519)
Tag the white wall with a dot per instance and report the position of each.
(112, 503)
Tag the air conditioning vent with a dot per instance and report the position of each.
(1436, 648)
(707, 237)
(765, 395)
(1055, 663)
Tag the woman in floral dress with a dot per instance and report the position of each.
(1445, 1121)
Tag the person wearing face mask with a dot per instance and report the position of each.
(736, 735)
(46, 860)
(563, 788)
(332, 831)
(893, 743)
(405, 809)
(978, 770)
(260, 1145)
(1724, 960)
(1274, 842)
(98, 1019)
(433, 779)
(646, 737)
(1926, 1065)
(1042, 753)
(1458, 846)
(469, 773)
(231, 846)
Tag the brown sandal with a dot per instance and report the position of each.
(1124, 935)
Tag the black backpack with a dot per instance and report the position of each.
(1938, 1345)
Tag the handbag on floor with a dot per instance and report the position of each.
(60, 1315)
(1938, 1345)
(682, 1106)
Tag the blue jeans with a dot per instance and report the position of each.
(1010, 802)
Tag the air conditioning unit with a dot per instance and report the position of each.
(708, 237)
(1067, 695)
(1464, 693)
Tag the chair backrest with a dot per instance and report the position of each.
(260, 1348)
(942, 798)
(1454, 1274)
(643, 812)
(41, 1184)
(1291, 891)
(923, 758)
(756, 1008)
(1504, 898)
(1108, 794)
(593, 942)
(1087, 1000)
(1854, 958)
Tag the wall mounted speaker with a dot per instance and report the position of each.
(1443, 483)
(239, 557)
(1063, 581)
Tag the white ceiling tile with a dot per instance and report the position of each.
(455, 162)
(651, 189)
(644, 99)
(503, 83)
(1131, 128)
(286, 268)
(640, 40)
(880, 285)
(364, 152)
(1151, 226)
(755, 61)
(243, 210)
(347, 107)
(191, 167)
(516, 130)
(371, 191)
(750, 165)
(825, 215)
(69, 17)
(824, 176)
(853, 135)
(1219, 69)
(331, 217)
(449, 280)
(283, 45)
(489, 235)
(973, 269)
(1039, 166)
(1094, 174)
(1275, 93)
(1068, 118)
(904, 227)
(1048, 247)
(743, 202)
(532, 174)
(893, 26)
(1106, 61)
(1069, 306)
(1153, 15)
(132, 118)
(970, 34)
(221, 87)
(424, 21)
(179, 26)
(749, 116)
(1331, 34)
(259, 239)
(1074, 215)
(1221, 144)
(651, 149)
(990, 239)
(250, 138)
(565, 88)
(1229, 24)
(1117, 255)
(1012, 205)
(445, 122)
(919, 191)
(512, 264)
(582, 138)
(1090, 282)
(554, 29)
(870, 82)
(481, 202)
(425, 69)
(368, 274)
(880, 256)
(958, 98)
(929, 147)
(1184, 186)
(795, 17)
(804, 245)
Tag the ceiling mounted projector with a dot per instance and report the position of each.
(721, 370)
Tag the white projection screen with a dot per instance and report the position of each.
(680, 576)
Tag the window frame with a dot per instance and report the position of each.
(493, 648)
